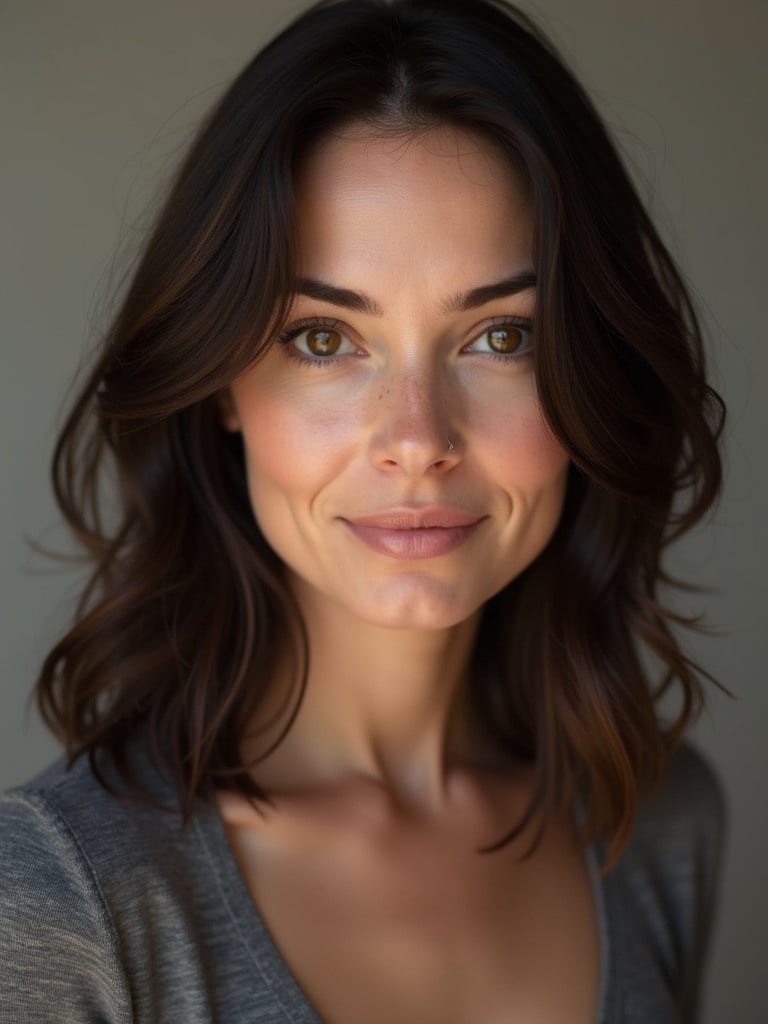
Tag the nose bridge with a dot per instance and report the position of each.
(413, 429)
(416, 395)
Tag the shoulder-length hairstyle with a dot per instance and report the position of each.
(177, 626)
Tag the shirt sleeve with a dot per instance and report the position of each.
(707, 869)
(59, 959)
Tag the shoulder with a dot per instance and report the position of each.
(663, 894)
(111, 911)
(76, 862)
(37, 838)
(58, 948)
(67, 821)
(674, 857)
(70, 810)
(686, 818)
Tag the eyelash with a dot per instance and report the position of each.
(294, 330)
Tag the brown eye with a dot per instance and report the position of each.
(318, 341)
(505, 339)
(323, 342)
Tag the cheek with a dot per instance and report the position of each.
(291, 442)
(522, 444)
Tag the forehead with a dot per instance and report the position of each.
(442, 196)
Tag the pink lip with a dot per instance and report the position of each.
(410, 533)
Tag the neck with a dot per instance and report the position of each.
(390, 706)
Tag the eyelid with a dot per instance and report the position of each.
(523, 324)
(293, 330)
(296, 328)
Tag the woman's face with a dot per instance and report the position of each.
(397, 458)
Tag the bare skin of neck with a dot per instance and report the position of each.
(384, 790)
(388, 707)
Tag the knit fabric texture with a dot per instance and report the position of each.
(110, 913)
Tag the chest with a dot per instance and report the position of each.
(417, 927)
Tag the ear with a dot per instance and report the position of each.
(227, 411)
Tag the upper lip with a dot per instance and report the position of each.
(417, 518)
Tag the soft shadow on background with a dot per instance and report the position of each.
(97, 103)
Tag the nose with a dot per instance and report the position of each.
(416, 425)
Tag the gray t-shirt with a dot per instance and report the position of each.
(110, 913)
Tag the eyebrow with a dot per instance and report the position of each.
(460, 302)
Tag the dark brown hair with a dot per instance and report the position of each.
(176, 628)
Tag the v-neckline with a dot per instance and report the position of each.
(273, 968)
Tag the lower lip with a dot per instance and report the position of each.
(430, 542)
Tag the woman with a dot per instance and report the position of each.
(404, 400)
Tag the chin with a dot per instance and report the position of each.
(423, 604)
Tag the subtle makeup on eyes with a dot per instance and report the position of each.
(509, 337)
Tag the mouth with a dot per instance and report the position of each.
(415, 533)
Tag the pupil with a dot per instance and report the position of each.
(504, 339)
(323, 342)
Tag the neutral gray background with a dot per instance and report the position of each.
(97, 102)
